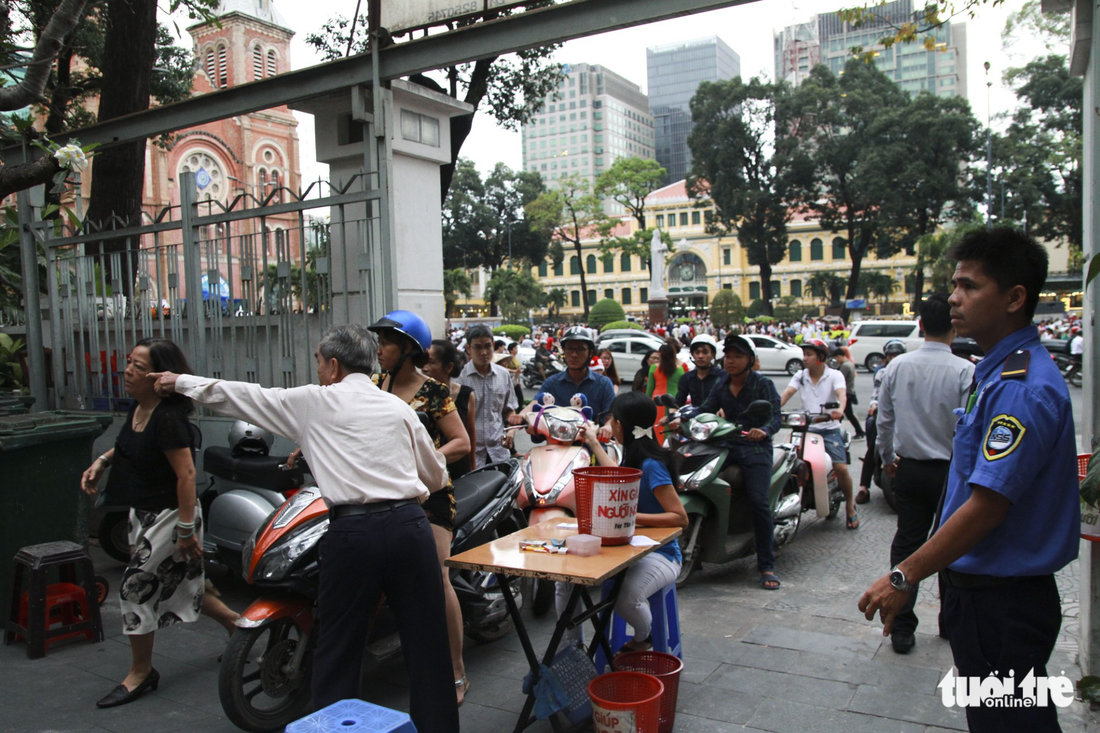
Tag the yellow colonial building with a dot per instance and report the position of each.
(701, 264)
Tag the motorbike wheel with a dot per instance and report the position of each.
(543, 597)
(256, 692)
(1076, 379)
(887, 485)
(114, 535)
(836, 498)
(500, 629)
(102, 590)
(691, 538)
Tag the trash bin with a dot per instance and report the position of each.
(664, 667)
(42, 457)
(15, 404)
(626, 702)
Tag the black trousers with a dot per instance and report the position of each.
(1007, 629)
(389, 552)
(917, 489)
(756, 473)
(870, 459)
(850, 413)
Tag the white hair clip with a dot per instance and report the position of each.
(639, 432)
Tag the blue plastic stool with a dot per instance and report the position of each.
(354, 716)
(666, 626)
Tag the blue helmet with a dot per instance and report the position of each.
(407, 323)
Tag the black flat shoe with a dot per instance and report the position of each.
(120, 695)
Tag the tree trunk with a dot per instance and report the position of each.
(118, 174)
(584, 281)
(461, 125)
(766, 286)
(857, 261)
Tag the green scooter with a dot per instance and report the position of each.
(720, 525)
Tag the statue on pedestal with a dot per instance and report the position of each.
(657, 250)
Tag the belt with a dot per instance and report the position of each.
(925, 460)
(354, 510)
(972, 581)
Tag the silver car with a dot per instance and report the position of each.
(775, 355)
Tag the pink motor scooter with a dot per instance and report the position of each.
(548, 491)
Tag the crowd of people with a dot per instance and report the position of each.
(1005, 523)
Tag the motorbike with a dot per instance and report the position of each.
(548, 490)
(1070, 369)
(264, 678)
(820, 487)
(720, 527)
(531, 376)
(245, 486)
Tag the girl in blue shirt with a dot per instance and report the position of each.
(632, 418)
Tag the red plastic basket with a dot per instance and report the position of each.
(626, 702)
(584, 480)
(664, 667)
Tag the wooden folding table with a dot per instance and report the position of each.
(504, 558)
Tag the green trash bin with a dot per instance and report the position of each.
(42, 457)
(15, 404)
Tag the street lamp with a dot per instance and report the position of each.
(988, 152)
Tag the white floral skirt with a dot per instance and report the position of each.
(159, 587)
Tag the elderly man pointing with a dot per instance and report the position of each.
(373, 462)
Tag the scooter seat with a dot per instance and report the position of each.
(778, 456)
(475, 490)
(252, 469)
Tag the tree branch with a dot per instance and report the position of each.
(31, 89)
(20, 177)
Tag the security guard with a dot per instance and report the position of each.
(1011, 512)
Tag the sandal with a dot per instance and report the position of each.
(769, 581)
(853, 521)
(635, 645)
(462, 686)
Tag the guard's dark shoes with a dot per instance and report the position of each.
(120, 695)
(903, 643)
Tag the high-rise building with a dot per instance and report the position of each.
(593, 118)
(828, 39)
(674, 73)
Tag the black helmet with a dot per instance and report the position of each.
(578, 333)
(893, 347)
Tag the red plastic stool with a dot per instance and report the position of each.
(66, 604)
(36, 560)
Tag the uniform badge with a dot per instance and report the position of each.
(1004, 435)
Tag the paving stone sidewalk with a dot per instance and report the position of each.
(800, 659)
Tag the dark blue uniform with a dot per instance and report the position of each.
(1001, 608)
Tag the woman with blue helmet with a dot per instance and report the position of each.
(403, 342)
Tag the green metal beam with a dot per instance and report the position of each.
(554, 24)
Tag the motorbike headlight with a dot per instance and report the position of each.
(700, 431)
(296, 506)
(704, 472)
(796, 420)
(278, 560)
(563, 430)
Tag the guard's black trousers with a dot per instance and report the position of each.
(389, 552)
(1006, 629)
(917, 489)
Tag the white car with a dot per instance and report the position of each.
(628, 348)
(775, 355)
(868, 338)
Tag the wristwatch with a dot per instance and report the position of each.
(897, 579)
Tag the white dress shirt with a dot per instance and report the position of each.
(916, 403)
(363, 445)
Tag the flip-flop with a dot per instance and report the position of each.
(853, 522)
(769, 577)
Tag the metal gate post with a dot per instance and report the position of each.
(192, 275)
(386, 279)
(36, 354)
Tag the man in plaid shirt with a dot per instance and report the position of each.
(739, 387)
(494, 398)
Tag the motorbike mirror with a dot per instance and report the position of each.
(667, 400)
(831, 405)
(757, 410)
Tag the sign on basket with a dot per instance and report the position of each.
(607, 502)
(613, 721)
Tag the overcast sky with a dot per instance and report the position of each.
(748, 29)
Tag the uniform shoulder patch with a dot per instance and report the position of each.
(1003, 436)
(1015, 366)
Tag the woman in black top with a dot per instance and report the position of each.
(444, 364)
(154, 473)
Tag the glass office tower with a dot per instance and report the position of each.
(674, 73)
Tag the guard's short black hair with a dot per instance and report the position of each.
(935, 315)
(1008, 256)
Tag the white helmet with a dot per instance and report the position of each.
(707, 339)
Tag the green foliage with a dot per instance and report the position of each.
(482, 218)
(617, 325)
(570, 214)
(826, 285)
(788, 309)
(455, 283)
(876, 284)
(726, 309)
(513, 331)
(628, 182)
(1089, 687)
(604, 312)
(555, 301)
(755, 309)
(11, 369)
(743, 161)
(516, 291)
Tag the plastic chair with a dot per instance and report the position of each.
(666, 626)
(33, 624)
(354, 716)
